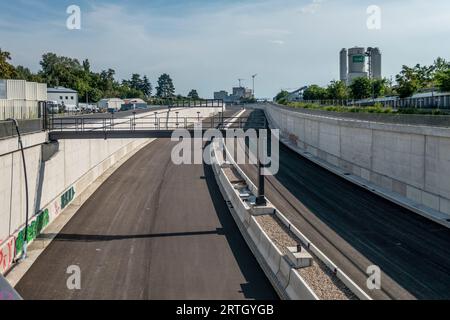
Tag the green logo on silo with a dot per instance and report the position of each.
(358, 59)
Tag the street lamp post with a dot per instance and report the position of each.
(25, 240)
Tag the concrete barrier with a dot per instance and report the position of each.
(407, 164)
(271, 259)
(298, 289)
(359, 292)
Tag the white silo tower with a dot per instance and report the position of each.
(356, 63)
(376, 63)
(343, 65)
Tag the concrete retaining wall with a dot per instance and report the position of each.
(405, 163)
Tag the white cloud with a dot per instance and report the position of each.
(279, 42)
(312, 7)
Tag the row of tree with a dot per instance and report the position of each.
(92, 86)
(409, 81)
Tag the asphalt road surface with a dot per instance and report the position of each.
(153, 230)
(357, 228)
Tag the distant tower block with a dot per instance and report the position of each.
(343, 65)
(376, 64)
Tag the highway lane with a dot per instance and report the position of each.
(153, 230)
(357, 228)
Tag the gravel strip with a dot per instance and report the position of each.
(319, 277)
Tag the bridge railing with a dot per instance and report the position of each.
(189, 103)
(86, 124)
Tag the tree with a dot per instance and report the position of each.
(7, 71)
(337, 90)
(315, 92)
(147, 87)
(379, 87)
(361, 88)
(408, 82)
(165, 88)
(193, 94)
(60, 70)
(281, 95)
(86, 66)
(23, 73)
(443, 80)
(442, 74)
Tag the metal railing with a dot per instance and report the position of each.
(189, 103)
(436, 101)
(147, 123)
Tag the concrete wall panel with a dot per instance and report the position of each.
(411, 161)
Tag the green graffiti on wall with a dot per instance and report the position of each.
(67, 197)
(34, 229)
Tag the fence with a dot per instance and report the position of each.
(424, 101)
(403, 119)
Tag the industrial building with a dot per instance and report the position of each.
(133, 104)
(110, 104)
(221, 95)
(20, 99)
(239, 93)
(358, 62)
(63, 97)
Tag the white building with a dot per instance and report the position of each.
(110, 103)
(20, 99)
(63, 96)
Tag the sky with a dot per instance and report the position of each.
(208, 45)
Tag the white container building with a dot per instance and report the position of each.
(110, 103)
(20, 99)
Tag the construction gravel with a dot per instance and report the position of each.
(319, 277)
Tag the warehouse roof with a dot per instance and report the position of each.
(60, 90)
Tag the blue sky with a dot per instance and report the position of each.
(208, 44)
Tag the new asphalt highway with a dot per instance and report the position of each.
(356, 229)
(153, 230)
